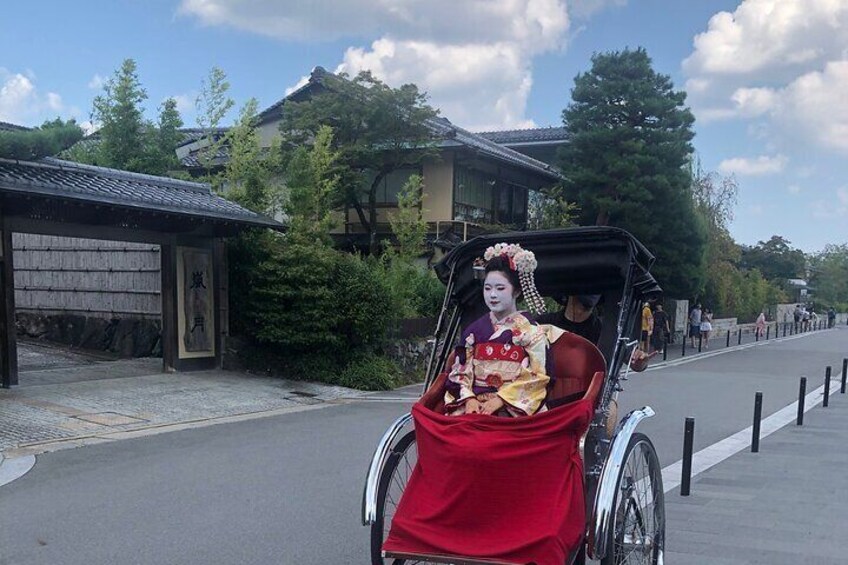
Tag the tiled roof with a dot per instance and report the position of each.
(451, 134)
(199, 158)
(190, 135)
(6, 126)
(66, 179)
(532, 135)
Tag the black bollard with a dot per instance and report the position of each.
(844, 375)
(683, 352)
(665, 351)
(802, 395)
(728, 338)
(700, 342)
(756, 334)
(739, 336)
(784, 330)
(768, 332)
(758, 416)
(826, 399)
(688, 441)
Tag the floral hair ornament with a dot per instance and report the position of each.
(521, 261)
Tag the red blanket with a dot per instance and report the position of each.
(509, 489)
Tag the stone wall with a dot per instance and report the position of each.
(411, 356)
(125, 337)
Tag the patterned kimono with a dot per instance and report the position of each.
(506, 358)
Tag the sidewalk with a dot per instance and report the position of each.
(783, 505)
(79, 401)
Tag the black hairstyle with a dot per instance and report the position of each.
(500, 264)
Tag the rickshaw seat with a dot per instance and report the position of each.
(575, 363)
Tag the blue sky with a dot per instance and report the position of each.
(765, 78)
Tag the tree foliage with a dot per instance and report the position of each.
(312, 183)
(776, 259)
(376, 130)
(212, 105)
(408, 222)
(628, 143)
(50, 138)
(829, 278)
(125, 139)
(550, 209)
(120, 115)
(730, 290)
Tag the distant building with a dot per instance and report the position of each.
(473, 182)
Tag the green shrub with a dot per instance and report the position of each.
(368, 371)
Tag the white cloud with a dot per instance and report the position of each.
(763, 35)
(96, 82)
(301, 82)
(793, 189)
(473, 57)
(477, 86)
(22, 103)
(185, 103)
(762, 165)
(782, 62)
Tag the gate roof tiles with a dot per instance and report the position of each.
(69, 180)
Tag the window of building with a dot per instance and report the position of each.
(389, 187)
(481, 198)
(474, 197)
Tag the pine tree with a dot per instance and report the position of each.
(625, 161)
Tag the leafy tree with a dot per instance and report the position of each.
(829, 277)
(212, 105)
(376, 130)
(120, 115)
(312, 187)
(775, 259)
(628, 138)
(50, 138)
(408, 222)
(167, 135)
(550, 209)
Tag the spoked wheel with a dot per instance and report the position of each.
(393, 481)
(638, 530)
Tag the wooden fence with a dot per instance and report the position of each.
(87, 277)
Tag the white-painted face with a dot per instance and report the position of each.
(499, 294)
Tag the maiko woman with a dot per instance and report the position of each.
(501, 367)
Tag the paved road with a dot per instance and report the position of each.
(287, 489)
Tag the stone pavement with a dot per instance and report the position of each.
(70, 396)
(786, 504)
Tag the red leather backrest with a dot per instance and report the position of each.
(575, 362)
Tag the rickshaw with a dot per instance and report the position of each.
(622, 480)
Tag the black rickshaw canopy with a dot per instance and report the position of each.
(584, 260)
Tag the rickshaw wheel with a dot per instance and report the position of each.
(393, 481)
(637, 534)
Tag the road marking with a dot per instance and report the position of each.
(716, 453)
(11, 469)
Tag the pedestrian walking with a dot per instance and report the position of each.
(831, 317)
(662, 329)
(695, 323)
(761, 324)
(706, 327)
(647, 327)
